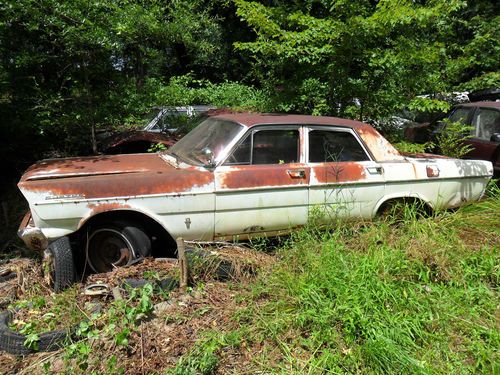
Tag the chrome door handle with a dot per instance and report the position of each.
(375, 170)
(296, 173)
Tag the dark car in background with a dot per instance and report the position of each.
(165, 126)
(484, 119)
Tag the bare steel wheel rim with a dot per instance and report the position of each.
(108, 249)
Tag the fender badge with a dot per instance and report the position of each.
(65, 196)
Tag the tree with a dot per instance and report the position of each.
(369, 58)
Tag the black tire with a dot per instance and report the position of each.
(116, 244)
(60, 264)
(207, 263)
(13, 342)
(8, 277)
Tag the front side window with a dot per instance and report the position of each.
(205, 143)
(486, 123)
(267, 147)
(334, 146)
(460, 115)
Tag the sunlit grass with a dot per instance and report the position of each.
(420, 296)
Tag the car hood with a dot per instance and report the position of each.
(111, 176)
(94, 166)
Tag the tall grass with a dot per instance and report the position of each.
(417, 297)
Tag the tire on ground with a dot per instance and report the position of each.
(61, 265)
(13, 342)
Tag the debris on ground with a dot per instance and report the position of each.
(157, 340)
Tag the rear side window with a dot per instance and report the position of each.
(486, 123)
(334, 146)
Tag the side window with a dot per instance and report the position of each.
(275, 147)
(460, 115)
(267, 147)
(241, 156)
(486, 122)
(332, 146)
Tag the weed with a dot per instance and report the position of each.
(203, 359)
(415, 297)
(450, 139)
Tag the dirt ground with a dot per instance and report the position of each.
(160, 339)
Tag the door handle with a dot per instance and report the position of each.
(375, 170)
(296, 173)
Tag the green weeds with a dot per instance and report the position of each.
(417, 297)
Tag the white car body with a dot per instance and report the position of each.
(223, 198)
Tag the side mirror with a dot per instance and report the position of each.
(495, 137)
(210, 157)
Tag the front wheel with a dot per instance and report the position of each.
(115, 245)
(58, 264)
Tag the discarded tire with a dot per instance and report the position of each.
(117, 244)
(208, 263)
(7, 277)
(59, 265)
(13, 342)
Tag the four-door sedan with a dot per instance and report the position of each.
(233, 176)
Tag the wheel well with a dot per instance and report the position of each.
(163, 244)
(421, 205)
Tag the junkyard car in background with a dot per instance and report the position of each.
(482, 117)
(233, 176)
(165, 127)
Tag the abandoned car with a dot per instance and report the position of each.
(233, 176)
(484, 138)
(165, 127)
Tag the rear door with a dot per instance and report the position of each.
(345, 181)
(262, 185)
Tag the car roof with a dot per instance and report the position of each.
(251, 119)
(481, 104)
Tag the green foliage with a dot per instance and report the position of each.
(372, 58)
(38, 314)
(428, 105)
(412, 148)
(202, 358)
(450, 139)
(186, 90)
(378, 298)
(116, 324)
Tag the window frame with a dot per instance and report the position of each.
(258, 128)
(310, 128)
(473, 120)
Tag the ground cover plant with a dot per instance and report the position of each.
(402, 294)
(413, 296)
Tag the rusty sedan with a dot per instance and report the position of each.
(233, 176)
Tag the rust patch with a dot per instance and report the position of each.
(129, 137)
(379, 147)
(422, 155)
(24, 222)
(251, 119)
(261, 176)
(95, 165)
(123, 185)
(104, 207)
(338, 172)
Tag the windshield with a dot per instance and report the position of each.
(204, 144)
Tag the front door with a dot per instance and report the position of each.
(262, 187)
